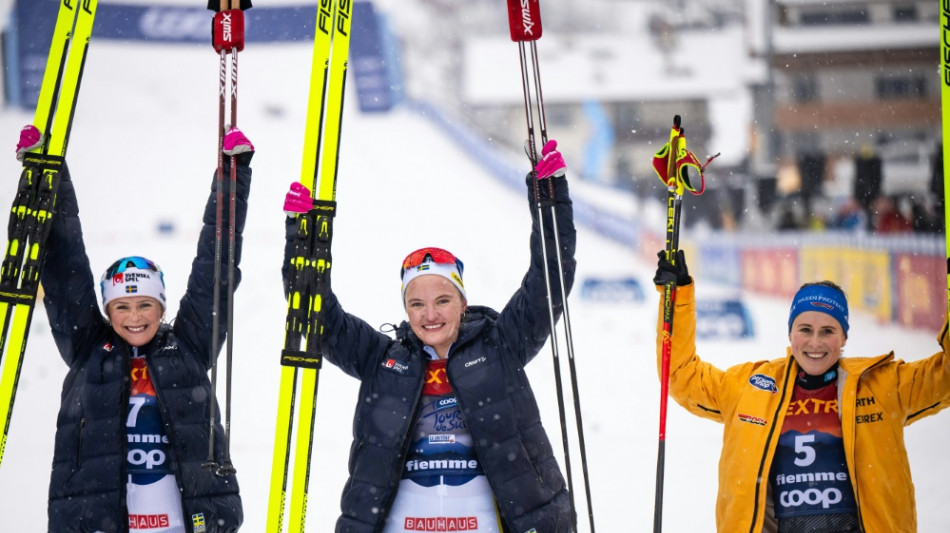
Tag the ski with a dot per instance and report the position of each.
(33, 205)
(302, 355)
(945, 123)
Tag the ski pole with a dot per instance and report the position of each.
(237, 44)
(568, 331)
(671, 164)
(525, 25)
(673, 204)
(228, 37)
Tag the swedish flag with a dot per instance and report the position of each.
(198, 521)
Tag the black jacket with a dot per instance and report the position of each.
(88, 484)
(486, 369)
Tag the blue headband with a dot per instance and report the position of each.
(823, 299)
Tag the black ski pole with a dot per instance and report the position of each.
(227, 37)
(525, 25)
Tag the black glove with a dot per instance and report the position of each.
(667, 272)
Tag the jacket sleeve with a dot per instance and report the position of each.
(69, 292)
(350, 342)
(924, 386)
(695, 384)
(525, 320)
(193, 325)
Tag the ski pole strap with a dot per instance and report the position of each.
(543, 196)
(524, 20)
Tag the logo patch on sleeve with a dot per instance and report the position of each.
(757, 420)
(396, 366)
(763, 382)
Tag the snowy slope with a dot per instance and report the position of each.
(142, 153)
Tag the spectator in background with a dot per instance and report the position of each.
(887, 218)
(924, 215)
(851, 216)
(790, 214)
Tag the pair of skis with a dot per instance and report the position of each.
(35, 200)
(524, 20)
(309, 275)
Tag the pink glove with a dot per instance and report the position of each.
(235, 142)
(551, 162)
(30, 138)
(298, 200)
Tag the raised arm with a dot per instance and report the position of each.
(193, 324)
(349, 342)
(69, 292)
(525, 320)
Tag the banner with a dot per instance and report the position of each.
(373, 60)
(920, 280)
(865, 276)
(772, 271)
(26, 41)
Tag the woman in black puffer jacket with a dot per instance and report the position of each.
(447, 434)
(132, 432)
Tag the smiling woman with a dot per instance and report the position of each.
(813, 441)
(434, 297)
(446, 429)
(818, 327)
(132, 433)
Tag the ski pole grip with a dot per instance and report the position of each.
(227, 30)
(524, 20)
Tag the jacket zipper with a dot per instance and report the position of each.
(397, 470)
(172, 449)
(534, 464)
(475, 447)
(126, 355)
(82, 430)
(765, 452)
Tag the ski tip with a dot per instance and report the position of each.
(677, 120)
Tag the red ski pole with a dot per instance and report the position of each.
(227, 37)
(671, 164)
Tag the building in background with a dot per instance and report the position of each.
(851, 103)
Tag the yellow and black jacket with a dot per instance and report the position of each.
(877, 397)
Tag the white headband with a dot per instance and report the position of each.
(449, 271)
(133, 282)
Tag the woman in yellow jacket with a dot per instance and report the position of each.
(813, 442)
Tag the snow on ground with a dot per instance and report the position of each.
(142, 154)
